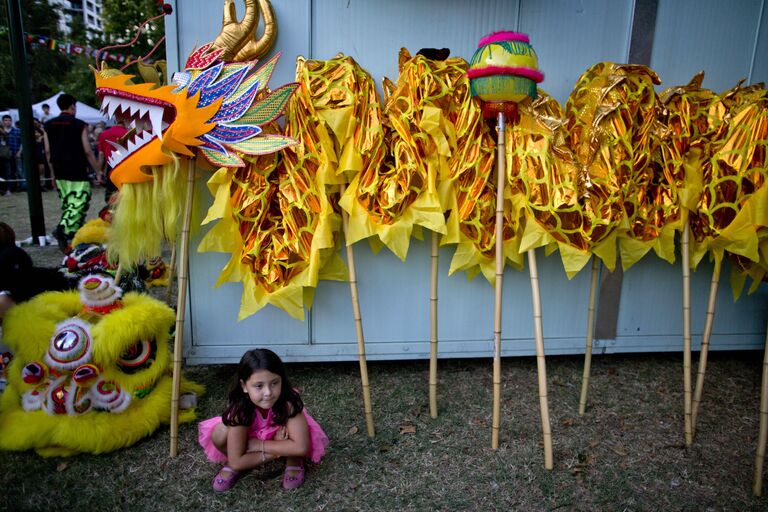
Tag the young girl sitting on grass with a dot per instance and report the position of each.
(264, 420)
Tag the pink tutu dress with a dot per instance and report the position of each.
(264, 429)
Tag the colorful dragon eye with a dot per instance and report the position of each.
(33, 373)
(138, 357)
(70, 346)
(85, 375)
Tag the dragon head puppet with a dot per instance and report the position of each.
(90, 372)
(210, 109)
(213, 111)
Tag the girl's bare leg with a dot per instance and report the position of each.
(219, 437)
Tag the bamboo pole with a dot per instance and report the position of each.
(171, 270)
(118, 273)
(540, 361)
(590, 336)
(687, 335)
(705, 346)
(500, 175)
(358, 325)
(757, 486)
(433, 329)
(181, 305)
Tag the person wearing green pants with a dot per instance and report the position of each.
(70, 156)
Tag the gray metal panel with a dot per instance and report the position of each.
(760, 56)
(711, 35)
(652, 294)
(197, 22)
(568, 37)
(394, 298)
(373, 32)
(571, 36)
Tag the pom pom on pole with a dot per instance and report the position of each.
(503, 72)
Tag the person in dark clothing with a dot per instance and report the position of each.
(42, 150)
(20, 280)
(10, 150)
(70, 156)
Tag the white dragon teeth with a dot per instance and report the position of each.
(156, 118)
(144, 117)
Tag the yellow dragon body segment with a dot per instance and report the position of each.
(278, 219)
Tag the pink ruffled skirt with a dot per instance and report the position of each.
(318, 441)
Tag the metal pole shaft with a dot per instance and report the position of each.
(23, 87)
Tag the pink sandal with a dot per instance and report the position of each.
(223, 483)
(293, 482)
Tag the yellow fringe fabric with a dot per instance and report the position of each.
(146, 214)
(389, 199)
(277, 215)
(732, 212)
(94, 231)
(618, 166)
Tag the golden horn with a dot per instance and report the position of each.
(238, 38)
(256, 48)
(234, 34)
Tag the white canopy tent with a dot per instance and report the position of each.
(85, 112)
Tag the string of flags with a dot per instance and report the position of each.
(70, 48)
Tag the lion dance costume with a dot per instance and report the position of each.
(90, 371)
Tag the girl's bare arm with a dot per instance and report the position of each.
(297, 442)
(238, 456)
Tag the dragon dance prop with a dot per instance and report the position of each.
(399, 196)
(693, 118)
(503, 72)
(213, 113)
(718, 141)
(608, 141)
(345, 112)
(90, 372)
(278, 217)
(731, 213)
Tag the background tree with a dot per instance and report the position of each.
(122, 19)
(46, 67)
(52, 71)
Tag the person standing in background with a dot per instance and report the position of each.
(46, 113)
(42, 153)
(70, 156)
(11, 138)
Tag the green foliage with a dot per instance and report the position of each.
(46, 68)
(52, 71)
(122, 19)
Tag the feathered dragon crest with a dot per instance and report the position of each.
(214, 105)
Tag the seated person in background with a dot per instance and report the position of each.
(20, 280)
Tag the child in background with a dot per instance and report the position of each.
(264, 420)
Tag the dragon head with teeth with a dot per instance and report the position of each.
(214, 108)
